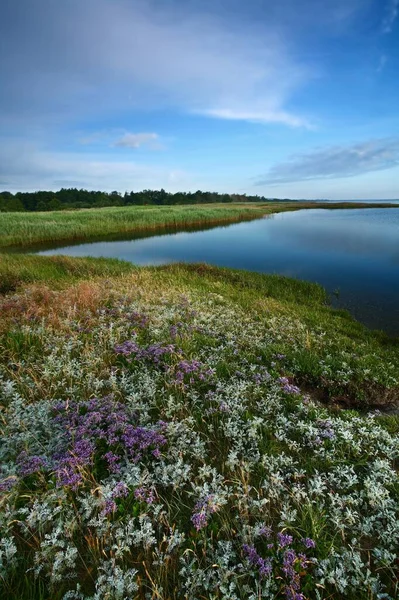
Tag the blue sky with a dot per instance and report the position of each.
(295, 98)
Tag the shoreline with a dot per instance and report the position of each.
(28, 229)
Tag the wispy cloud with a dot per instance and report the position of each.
(174, 57)
(391, 14)
(336, 162)
(383, 61)
(260, 116)
(24, 165)
(136, 140)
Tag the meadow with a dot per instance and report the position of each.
(191, 432)
(26, 229)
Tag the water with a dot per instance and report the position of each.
(353, 253)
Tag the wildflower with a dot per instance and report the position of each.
(7, 484)
(202, 510)
(284, 539)
(109, 507)
(326, 429)
(144, 495)
(120, 490)
(308, 543)
(264, 565)
(30, 464)
(113, 461)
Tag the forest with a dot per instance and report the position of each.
(73, 198)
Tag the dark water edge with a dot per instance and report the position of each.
(353, 254)
(47, 248)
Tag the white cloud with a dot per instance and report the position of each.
(135, 140)
(336, 161)
(24, 166)
(392, 12)
(117, 55)
(260, 116)
(383, 61)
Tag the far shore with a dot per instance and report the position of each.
(25, 230)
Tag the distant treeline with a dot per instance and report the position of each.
(73, 198)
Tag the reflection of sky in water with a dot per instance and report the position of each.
(356, 251)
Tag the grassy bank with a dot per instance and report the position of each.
(24, 229)
(178, 433)
(28, 229)
(16, 270)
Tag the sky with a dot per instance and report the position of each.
(282, 98)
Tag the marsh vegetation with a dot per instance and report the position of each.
(191, 432)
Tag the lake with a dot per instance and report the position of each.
(353, 253)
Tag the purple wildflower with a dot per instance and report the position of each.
(109, 507)
(308, 543)
(326, 429)
(264, 565)
(106, 421)
(265, 531)
(7, 484)
(152, 353)
(202, 510)
(138, 319)
(28, 465)
(284, 539)
(68, 477)
(199, 520)
(126, 348)
(145, 495)
(288, 387)
(120, 490)
(113, 462)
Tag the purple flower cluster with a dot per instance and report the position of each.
(264, 565)
(262, 375)
(288, 387)
(100, 432)
(138, 319)
(126, 348)
(7, 484)
(288, 564)
(308, 543)
(109, 507)
(190, 371)
(27, 465)
(144, 494)
(326, 430)
(106, 423)
(179, 328)
(120, 490)
(291, 562)
(152, 353)
(265, 531)
(284, 540)
(202, 511)
(70, 464)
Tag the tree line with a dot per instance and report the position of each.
(73, 198)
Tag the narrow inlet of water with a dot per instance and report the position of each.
(353, 253)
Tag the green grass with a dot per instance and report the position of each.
(16, 270)
(24, 230)
(321, 339)
(56, 343)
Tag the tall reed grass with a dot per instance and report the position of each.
(24, 229)
(28, 229)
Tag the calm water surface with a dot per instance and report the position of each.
(353, 252)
